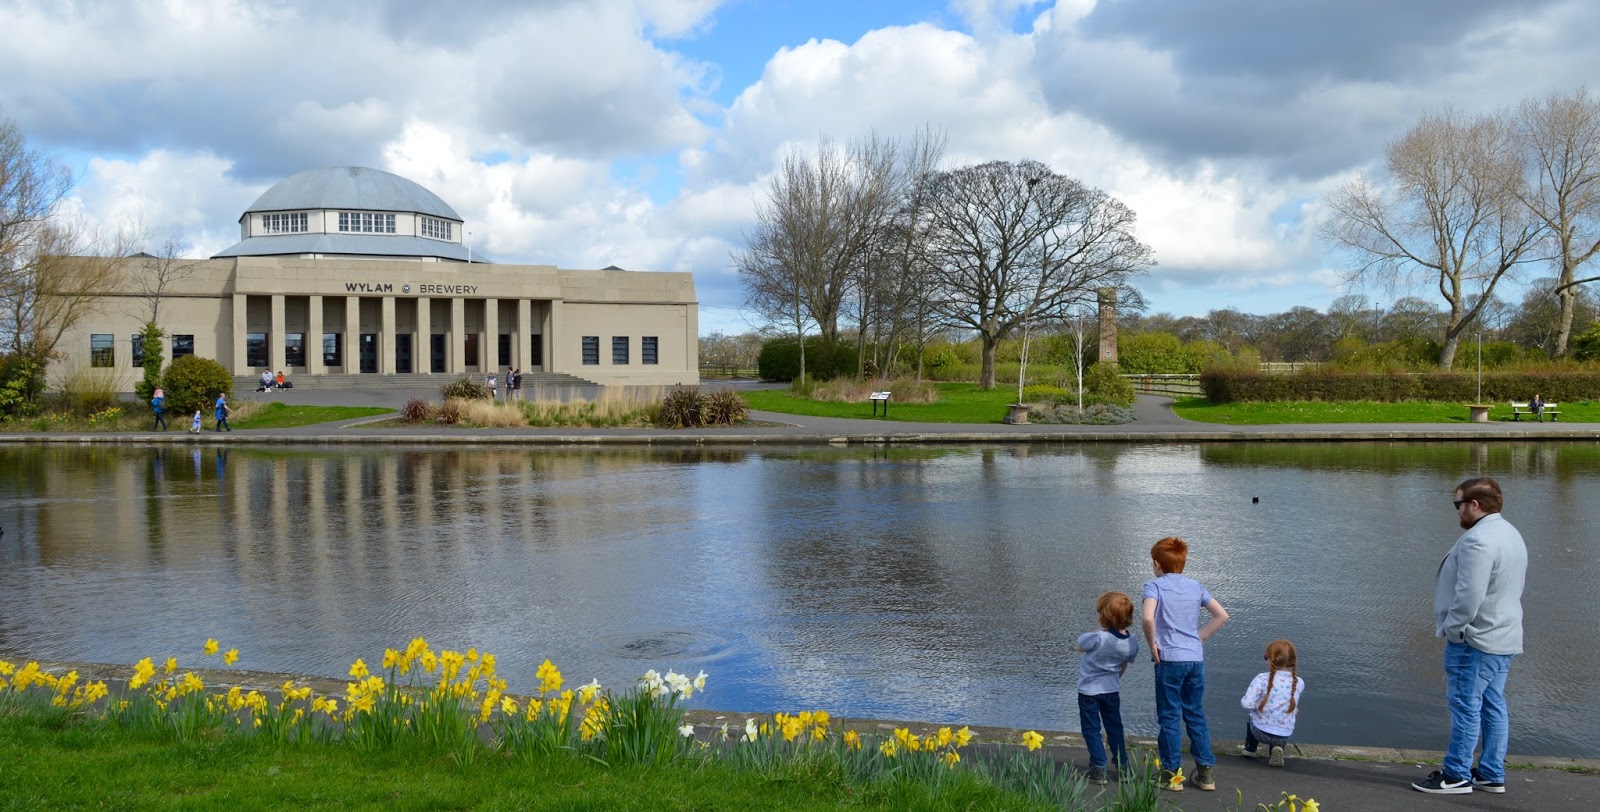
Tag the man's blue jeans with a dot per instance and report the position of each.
(1475, 687)
(1092, 710)
(1180, 696)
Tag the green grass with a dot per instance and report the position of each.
(1255, 414)
(49, 764)
(283, 416)
(960, 403)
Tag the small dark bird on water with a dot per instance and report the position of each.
(1255, 500)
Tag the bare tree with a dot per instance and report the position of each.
(53, 270)
(153, 275)
(1012, 242)
(1450, 215)
(1561, 138)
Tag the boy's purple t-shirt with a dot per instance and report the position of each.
(1178, 601)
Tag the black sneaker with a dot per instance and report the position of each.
(1203, 777)
(1482, 784)
(1440, 784)
(1097, 775)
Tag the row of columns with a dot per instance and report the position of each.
(421, 348)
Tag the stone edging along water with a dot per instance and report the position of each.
(268, 682)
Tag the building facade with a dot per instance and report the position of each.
(354, 271)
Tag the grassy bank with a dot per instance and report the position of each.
(55, 764)
(284, 416)
(252, 415)
(959, 403)
(1255, 414)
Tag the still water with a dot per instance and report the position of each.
(938, 584)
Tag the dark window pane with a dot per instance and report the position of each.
(138, 349)
(255, 350)
(184, 345)
(619, 350)
(649, 349)
(591, 350)
(102, 350)
(332, 349)
(294, 349)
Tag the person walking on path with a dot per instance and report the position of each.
(159, 404)
(1477, 609)
(1171, 621)
(222, 413)
(494, 393)
(194, 425)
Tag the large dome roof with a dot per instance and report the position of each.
(351, 187)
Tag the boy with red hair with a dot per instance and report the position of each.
(1172, 603)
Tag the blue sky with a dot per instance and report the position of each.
(639, 132)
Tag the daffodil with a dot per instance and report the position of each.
(852, 740)
(586, 692)
(889, 748)
(358, 669)
(172, 664)
(687, 731)
(210, 647)
(963, 737)
(231, 657)
(952, 758)
(142, 672)
(1311, 806)
(1032, 740)
(1176, 781)
(549, 677)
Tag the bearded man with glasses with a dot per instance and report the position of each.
(1477, 608)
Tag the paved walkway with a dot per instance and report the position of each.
(1156, 423)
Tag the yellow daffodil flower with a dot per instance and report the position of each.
(142, 672)
(963, 737)
(889, 748)
(358, 669)
(952, 758)
(1032, 740)
(231, 657)
(852, 740)
(1176, 781)
(210, 648)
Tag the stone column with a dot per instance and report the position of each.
(691, 344)
(275, 347)
(352, 335)
(552, 329)
(386, 337)
(241, 326)
(314, 336)
(1108, 324)
(456, 338)
(489, 359)
(422, 352)
(522, 341)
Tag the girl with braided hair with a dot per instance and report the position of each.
(1273, 701)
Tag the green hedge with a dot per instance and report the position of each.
(193, 383)
(780, 359)
(1557, 384)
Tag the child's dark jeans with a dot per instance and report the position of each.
(1180, 694)
(1095, 710)
(1254, 738)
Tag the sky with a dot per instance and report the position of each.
(640, 133)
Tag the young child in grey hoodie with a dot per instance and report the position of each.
(1106, 654)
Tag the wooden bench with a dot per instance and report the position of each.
(1520, 409)
(879, 397)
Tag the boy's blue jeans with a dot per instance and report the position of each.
(1093, 709)
(1475, 686)
(1180, 696)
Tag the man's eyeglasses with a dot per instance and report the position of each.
(1459, 502)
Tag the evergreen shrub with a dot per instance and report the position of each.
(465, 387)
(1556, 382)
(192, 382)
(779, 359)
(1106, 383)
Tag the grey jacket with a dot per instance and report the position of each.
(1477, 595)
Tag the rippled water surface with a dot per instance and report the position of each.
(942, 584)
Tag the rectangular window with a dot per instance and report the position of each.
(503, 350)
(255, 350)
(619, 350)
(649, 350)
(102, 350)
(366, 222)
(591, 350)
(332, 350)
(438, 229)
(184, 345)
(138, 349)
(294, 349)
(293, 222)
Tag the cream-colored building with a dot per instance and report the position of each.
(354, 271)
